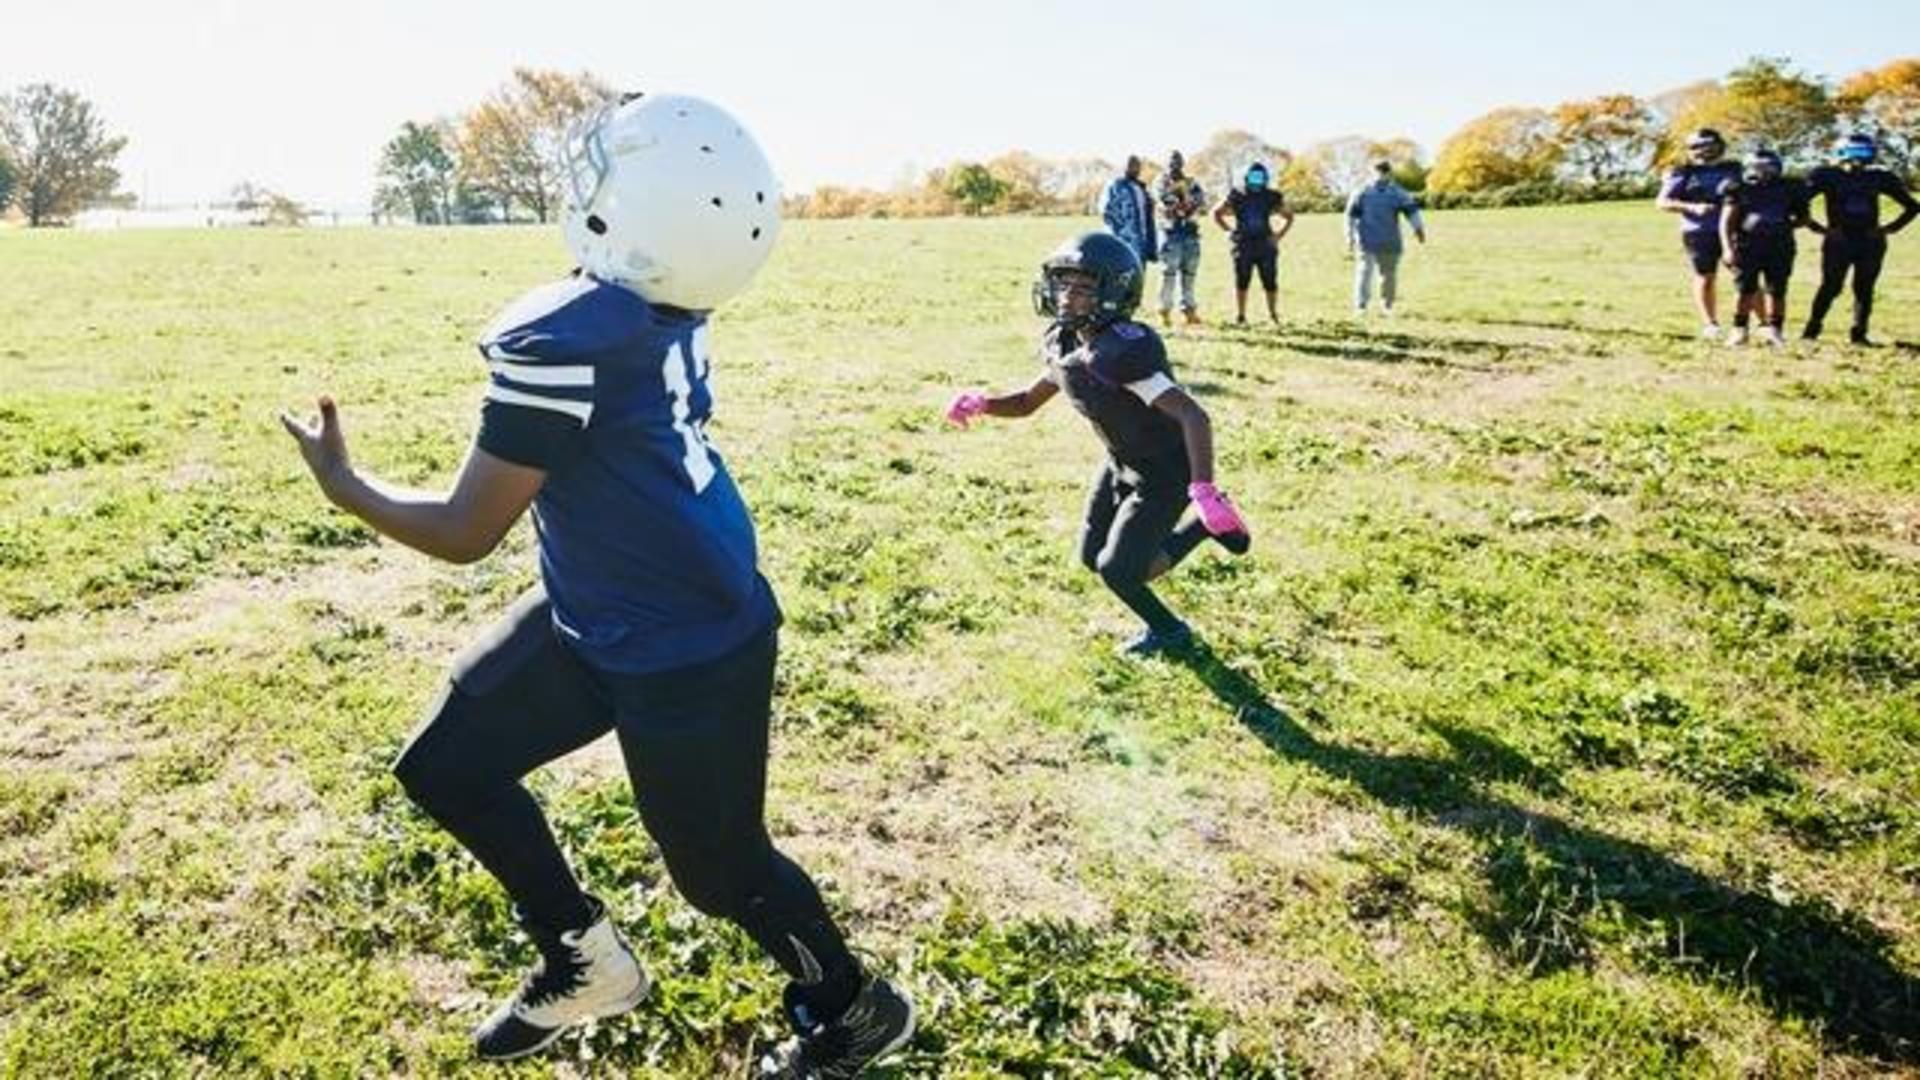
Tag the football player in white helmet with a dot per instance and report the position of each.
(652, 619)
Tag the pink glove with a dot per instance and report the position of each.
(1216, 513)
(966, 406)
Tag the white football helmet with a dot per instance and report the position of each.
(669, 196)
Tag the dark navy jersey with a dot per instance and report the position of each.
(1767, 208)
(1252, 217)
(646, 548)
(1700, 184)
(1853, 195)
(1113, 381)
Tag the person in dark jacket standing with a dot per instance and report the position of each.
(1855, 241)
(1127, 209)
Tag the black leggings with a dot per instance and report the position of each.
(695, 744)
(1864, 254)
(1131, 514)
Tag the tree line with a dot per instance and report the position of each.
(500, 161)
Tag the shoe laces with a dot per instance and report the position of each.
(560, 971)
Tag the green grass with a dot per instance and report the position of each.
(1564, 722)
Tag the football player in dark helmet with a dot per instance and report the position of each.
(1159, 441)
(1756, 233)
(1855, 241)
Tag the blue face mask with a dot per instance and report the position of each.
(1256, 180)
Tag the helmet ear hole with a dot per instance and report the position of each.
(596, 225)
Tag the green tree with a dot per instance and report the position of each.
(975, 187)
(8, 178)
(418, 174)
(60, 150)
(510, 146)
(1501, 149)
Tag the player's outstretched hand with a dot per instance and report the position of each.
(966, 405)
(1217, 513)
(322, 443)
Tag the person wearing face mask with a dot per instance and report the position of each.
(1855, 241)
(1256, 245)
(1695, 190)
(1373, 234)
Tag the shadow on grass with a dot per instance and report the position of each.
(1568, 328)
(1379, 347)
(1801, 958)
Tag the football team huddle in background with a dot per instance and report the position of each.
(652, 620)
(1742, 217)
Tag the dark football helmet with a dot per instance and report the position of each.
(1116, 273)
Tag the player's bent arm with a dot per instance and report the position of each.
(1220, 215)
(1195, 427)
(1909, 207)
(1022, 402)
(1286, 219)
(462, 525)
(1727, 215)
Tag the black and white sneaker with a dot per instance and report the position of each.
(878, 1022)
(581, 975)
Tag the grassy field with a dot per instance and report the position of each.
(1565, 720)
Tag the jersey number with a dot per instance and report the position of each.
(698, 457)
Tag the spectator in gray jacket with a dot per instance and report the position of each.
(1373, 234)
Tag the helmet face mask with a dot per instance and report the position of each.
(669, 196)
(1706, 147)
(1857, 150)
(1089, 281)
(1766, 165)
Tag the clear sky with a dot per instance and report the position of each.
(300, 96)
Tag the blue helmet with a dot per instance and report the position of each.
(1858, 147)
(1257, 176)
(1765, 165)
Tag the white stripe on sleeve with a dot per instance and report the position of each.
(544, 374)
(1151, 387)
(507, 395)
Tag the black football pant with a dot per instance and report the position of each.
(1762, 262)
(695, 744)
(1132, 511)
(1862, 253)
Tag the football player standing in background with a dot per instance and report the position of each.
(1756, 232)
(1159, 440)
(652, 619)
(1694, 190)
(1855, 240)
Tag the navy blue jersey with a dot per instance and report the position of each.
(1700, 184)
(1767, 208)
(646, 548)
(1253, 217)
(1853, 195)
(1113, 381)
